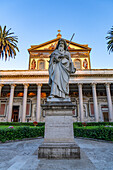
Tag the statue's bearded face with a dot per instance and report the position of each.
(61, 46)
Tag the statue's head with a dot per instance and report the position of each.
(61, 45)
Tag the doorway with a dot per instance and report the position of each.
(15, 114)
(105, 116)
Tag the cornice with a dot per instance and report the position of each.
(41, 45)
(35, 70)
(23, 76)
(50, 51)
(33, 47)
(43, 74)
(47, 75)
(92, 75)
(36, 56)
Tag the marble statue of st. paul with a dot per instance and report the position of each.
(60, 68)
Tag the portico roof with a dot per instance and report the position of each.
(50, 45)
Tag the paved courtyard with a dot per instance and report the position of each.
(23, 156)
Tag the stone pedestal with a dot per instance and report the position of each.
(59, 138)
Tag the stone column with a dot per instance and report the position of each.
(1, 85)
(110, 108)
(24, 102)
(38, 108)
(81, 102)
(0, 93)
(33, 112)
(11, 102)
(95, 102)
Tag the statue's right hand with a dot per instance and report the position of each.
(56, 60)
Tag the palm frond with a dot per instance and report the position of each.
(8, 43)
(0, 30)
(4, 30)
(7, 32)
(110, 40)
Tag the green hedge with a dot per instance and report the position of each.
(105, 133)
(20, 133)
(93, 123)
(21, 124)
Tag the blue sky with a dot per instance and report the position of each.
(37, 21)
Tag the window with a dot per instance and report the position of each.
(85, 110)
(77, 64)
(41, 64)
(28, 108)
(91, 109)
(2, 109)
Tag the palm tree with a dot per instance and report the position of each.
(110, 40)
(8, 43)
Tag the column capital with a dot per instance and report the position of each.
(13, 85)
(80, 84)
(2, 85)
(93, 85)
(39, 84)
(26, 85)
(107, 85)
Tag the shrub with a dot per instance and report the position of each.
(105, 133)
(101, 132)
(20, 133)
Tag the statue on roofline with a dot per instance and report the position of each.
(60, 68)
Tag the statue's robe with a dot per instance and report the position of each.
(60, 67)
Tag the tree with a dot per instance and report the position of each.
(8, 43)
(110, 40)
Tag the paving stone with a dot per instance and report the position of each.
(23, 156)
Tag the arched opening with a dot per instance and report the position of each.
(77, 64)
(41, 64)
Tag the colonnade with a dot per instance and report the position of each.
(109, 100)
(38, 108)
(24, 102)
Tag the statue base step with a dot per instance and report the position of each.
(59, 151)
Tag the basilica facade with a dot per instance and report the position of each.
(23, 91)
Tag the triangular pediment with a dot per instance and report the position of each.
(51, 45)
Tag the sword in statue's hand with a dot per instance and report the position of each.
(70, 41)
